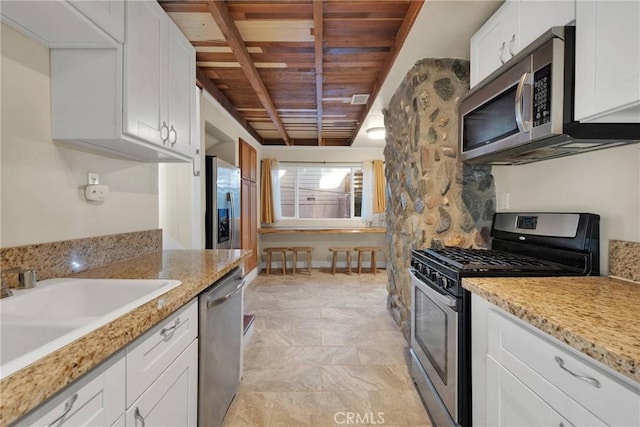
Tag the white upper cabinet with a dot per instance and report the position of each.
(136, 101)
(495, 42)
(516, 24)
(608, 61)
(62, 24)
(145, 72)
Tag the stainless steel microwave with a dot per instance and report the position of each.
(523, 112)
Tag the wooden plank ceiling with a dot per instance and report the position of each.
(289, 71)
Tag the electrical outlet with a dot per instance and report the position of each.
(93, 178)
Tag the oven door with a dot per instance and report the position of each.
(434, 340)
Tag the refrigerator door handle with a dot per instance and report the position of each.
(232, 215)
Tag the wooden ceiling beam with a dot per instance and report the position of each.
(224, 20)
(207, 84)
(403, 32)
(318, 24)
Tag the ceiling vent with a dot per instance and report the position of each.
(360, 99)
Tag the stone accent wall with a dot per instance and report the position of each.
(432, 199)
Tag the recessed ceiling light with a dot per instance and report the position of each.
(376, 133)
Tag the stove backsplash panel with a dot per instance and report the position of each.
(432, 199)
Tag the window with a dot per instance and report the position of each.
(325, 192)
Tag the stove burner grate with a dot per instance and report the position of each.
(479, 259)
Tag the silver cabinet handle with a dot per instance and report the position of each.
(164, 132)
(139, 416)
(173, 136)
(218, 301)
(513, 39)
(67, 408)
(170, 329)
(501, 50)
(196, 159)
(522, 125)
(594, 382)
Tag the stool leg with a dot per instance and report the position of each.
(333, 263)
(294, 260)
(359, 262)
(284, 263)
(373, 262)
(349, 262)
(309, 262)
(268, 263)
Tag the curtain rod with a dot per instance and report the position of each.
(325, 162)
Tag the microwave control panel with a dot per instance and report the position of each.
(542, 96)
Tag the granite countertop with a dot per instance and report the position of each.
(595, 315)
(197, 269)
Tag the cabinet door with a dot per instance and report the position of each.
(539, 16)
(145, 69)
(106, 14)
(607, 61)
(249, 222)
(491, 44)
(511, 403)
(181, 90)
(172, 399)
(97, 399)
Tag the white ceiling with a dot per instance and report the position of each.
(442, 29)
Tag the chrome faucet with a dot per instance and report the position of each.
(26, 280)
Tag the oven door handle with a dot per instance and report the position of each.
(435, 294)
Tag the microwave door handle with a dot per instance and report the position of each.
(525, 80)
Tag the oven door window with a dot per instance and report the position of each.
(431, 324)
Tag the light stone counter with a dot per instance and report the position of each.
(595, 315)
(197, 269)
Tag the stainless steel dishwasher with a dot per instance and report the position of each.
(220, 347)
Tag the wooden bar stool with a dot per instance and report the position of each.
(294, 250)
(335, 251)
(373, 250)
(283, 252)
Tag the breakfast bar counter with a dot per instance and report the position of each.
(196, 269)
(595, 315)
(320, 230)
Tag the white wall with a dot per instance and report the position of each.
(42, 180)
(604, 182)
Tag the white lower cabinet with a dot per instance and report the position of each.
(96, 399)
(172, 399)
(522, 376)
(158, 374)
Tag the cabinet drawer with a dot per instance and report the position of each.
(518, 347)
(95, 399)
(172, 398)
(154, 351)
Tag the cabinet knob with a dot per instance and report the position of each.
(513, 40)
(501, 52)
(164, 132)
(173, 136)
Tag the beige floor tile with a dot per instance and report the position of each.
(354, 313)
(288, 337)
(376, 377)
(404, 409)
(291, 313)
(319, 356)
(383, 355)
(359, 338)
(250, 410)
(295, 378)
(318, 408)
(259, 357)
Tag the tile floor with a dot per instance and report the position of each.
(324, 352)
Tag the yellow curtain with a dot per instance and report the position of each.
(267, 213)
(379, 183)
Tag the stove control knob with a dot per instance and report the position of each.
(433, 275)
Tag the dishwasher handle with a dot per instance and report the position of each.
(212, 302)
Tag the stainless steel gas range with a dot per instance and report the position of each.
(522, 244)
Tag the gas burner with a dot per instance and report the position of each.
(482, 260)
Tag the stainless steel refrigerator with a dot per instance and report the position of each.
(222, 214)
